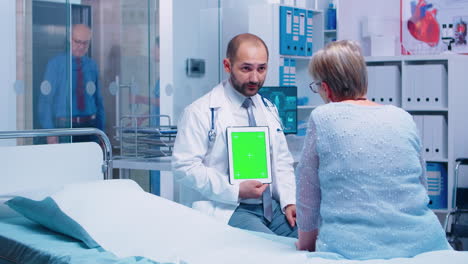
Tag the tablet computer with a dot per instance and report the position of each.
(249, 154)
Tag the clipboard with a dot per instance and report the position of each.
(249, 154)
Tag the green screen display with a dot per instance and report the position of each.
(249, 155)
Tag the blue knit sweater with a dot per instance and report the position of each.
(365, 188)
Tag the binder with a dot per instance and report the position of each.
(419, 121)
(286, 22)
(436, 185)
(281, 71)
(286, 71)
(292, 72)
(372, 83)
(410, 79)
(439, 136)
(295, 42)
(309, 33)
(389, 85)
(428, 137)
(302, 32)
(435, 85)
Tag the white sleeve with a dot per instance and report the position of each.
(190, 150)
(308, 195)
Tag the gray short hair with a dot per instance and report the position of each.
(341, 65)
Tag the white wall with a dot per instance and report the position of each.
(195, 35)
(257, 17)
(7, 67)
(350, 15)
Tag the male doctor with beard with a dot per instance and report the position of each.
(200, 156)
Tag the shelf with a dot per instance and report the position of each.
(436, 109)
(306, 107)
(296, 57)
(329, 31)
(441, 211)
(437, 160)
(411, 58)
(159, 164)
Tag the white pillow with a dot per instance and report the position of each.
(64, 212)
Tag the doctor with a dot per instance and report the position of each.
(200, 158)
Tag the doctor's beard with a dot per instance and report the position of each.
(247, 88)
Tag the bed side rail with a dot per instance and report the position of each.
(105, 142)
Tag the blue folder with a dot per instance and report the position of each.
(309, 33)
(437, 185)
(286, 18)
(301, 51)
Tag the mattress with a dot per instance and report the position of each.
(23, 241)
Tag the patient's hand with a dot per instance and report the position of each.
(251, 189)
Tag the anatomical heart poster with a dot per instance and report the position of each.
(434, 26)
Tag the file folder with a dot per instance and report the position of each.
(428, 137)
(436, 185)
(302, 32)
(438, 126)
(286, 22)
(295, 32)
(372, 83)
(419, 121)
(414, 86)
(281, 71)
(389, 85)
(309, 33)
(292, 72)
(287, 70)
(435, 85)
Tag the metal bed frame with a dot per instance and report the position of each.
(105, 142)
(457, 229)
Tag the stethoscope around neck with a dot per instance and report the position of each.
(212, 132)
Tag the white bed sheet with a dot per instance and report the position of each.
(131, 222)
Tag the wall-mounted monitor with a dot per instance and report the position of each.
(285, 99)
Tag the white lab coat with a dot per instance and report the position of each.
(202, 168)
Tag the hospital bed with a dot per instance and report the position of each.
(34, 170)
(119, 222)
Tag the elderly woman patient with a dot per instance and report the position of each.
(361, 184)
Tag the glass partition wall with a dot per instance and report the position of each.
(87, 63)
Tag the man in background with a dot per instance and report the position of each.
(62, 106)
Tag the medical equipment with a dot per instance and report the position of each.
(212, 132)
(145, 136)
(284, 101)
(458, 217)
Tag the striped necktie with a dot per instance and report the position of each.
(266, 196)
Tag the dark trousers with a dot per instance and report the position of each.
(250, 217)
(66, 123)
